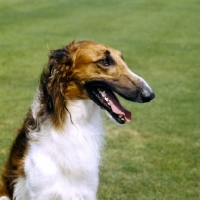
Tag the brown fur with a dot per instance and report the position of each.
(63, 79)
(14, 167)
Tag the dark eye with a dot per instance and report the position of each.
(106, 61)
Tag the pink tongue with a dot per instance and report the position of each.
(117, 108)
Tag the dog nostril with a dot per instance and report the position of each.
(147, 96)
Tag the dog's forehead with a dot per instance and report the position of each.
(97, 49)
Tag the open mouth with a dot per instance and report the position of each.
(107, 100)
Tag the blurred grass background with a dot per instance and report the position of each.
(157, 155)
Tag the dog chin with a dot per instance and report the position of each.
(107, 114)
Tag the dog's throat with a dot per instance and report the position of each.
(115, 105)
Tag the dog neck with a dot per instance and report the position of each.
(80, 115)
(72, 152)
(84, 113)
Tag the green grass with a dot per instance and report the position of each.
(157, 155)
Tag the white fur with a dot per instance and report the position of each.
(4, 198)
(63, 165)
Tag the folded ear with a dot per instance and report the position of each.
(61, 56)
(52, 84)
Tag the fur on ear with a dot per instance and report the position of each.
(52, 85)
(60, 55)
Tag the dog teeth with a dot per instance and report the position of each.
(121, 117)
(103, 94)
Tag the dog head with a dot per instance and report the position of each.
(89, 70)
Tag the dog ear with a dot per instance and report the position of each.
(58, 60)
(52, 85)
(61, 56)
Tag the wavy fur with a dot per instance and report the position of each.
(56, 153)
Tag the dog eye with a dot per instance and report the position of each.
(106, 61)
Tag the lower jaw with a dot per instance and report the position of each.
(115, 118)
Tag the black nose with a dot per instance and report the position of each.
(147, 96)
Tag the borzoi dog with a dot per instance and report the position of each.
(56, 153)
